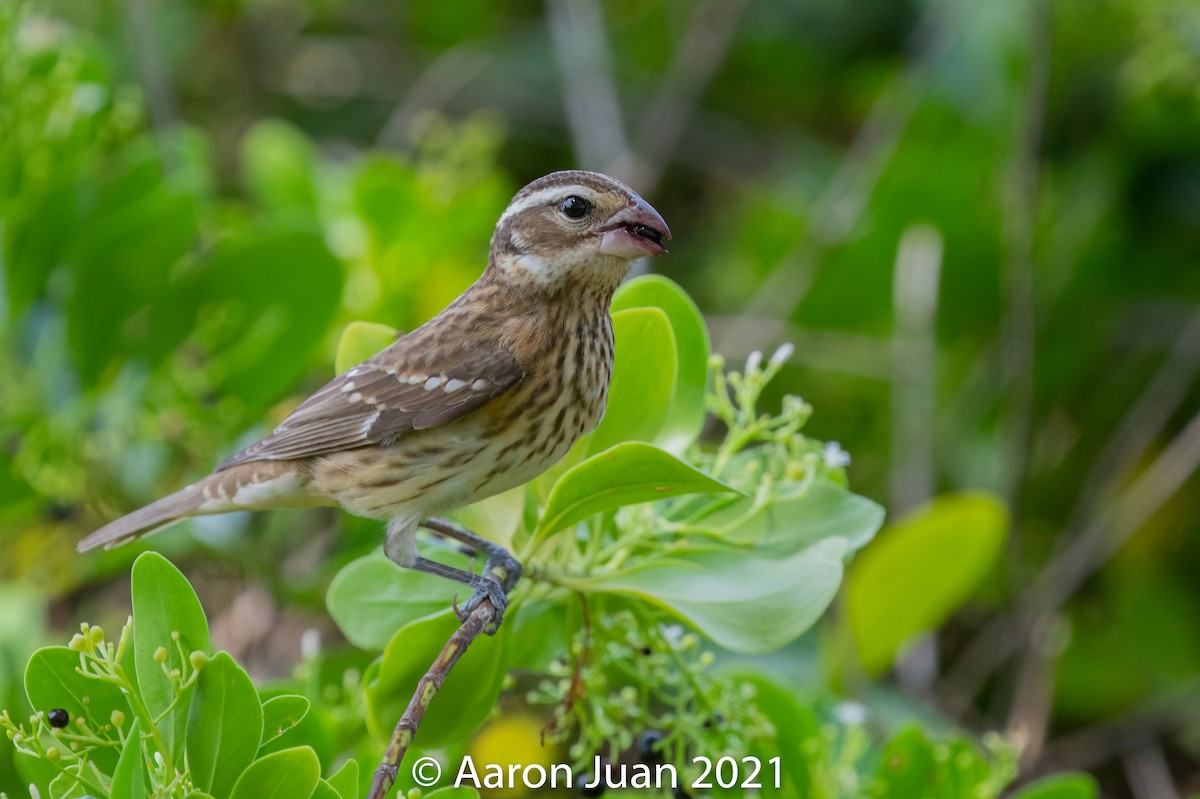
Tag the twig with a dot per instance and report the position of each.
(669, 112)
(449, 73)
(589, 89)
(1109, 530)
(1148, 773)
(160, 97)
(1176, 709)
(1018, 324)
(849, 192)
(915, 283)
(429, 685)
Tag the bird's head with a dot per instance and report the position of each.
(575, 226)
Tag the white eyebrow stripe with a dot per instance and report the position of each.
(544, 196)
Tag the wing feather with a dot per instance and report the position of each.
(404, 388)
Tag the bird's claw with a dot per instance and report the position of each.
(486, 587)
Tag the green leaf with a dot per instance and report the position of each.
(450, 792)
(224, 727)
(360, 341)
(287, 774)
(797, 730)
(1060, 786)
(325, 791)
(901, 586)
(643, 380)
(906, 767)
(743, 602)
(539, 634)
(280, 714)
(278, 167)
(470, 691)
(685, 419)
(800, 515)
(372, 598)
(277, 290)
(164, 604)
(626, 474)
(51, 681)
(345, 780)
(129, 777)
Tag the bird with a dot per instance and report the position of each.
(483, 397)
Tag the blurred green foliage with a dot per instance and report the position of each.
(197, 197)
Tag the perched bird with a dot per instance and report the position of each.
(481, 398)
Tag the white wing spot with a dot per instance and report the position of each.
(366, 425)
(432, 383)
(415, 380)
(356, 397)
(454, 384)
(480, 384)
(348, 386)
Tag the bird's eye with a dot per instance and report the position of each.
(575, 207)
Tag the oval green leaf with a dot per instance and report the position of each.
(643, 379)
(900, 586)
(373, 597)
(282, 713)
(163, 604)
(626, 474)
(51, 681)
(1060, 786)
(685, 419)
(325, 791)
(345, 780)
(287, 774)
(224, 727)
(739, 600)
(360, 341)
(470, 690)
(798, 516)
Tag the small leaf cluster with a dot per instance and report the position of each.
(157, 714)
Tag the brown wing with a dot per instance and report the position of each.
(406, 387)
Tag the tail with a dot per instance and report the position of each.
(257, 485)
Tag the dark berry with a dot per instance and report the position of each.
(647, 651)
(716, 721)
(58, 718)
(648, 746)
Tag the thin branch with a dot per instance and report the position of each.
(156, 80)
(1148, 773)
(1109, 530)
(1176, 709)
(673, 105)
(428, 686)
(449, 73)
(1019, 321)
(589, 89)
(915, 284)
(849, 192)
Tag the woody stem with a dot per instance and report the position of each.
(481, 619)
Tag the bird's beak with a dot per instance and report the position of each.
(635, 231)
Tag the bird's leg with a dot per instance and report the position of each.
(499, 575)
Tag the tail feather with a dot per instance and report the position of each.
(155, 516)
(248, 486)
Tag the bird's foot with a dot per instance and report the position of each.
(486, 587)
